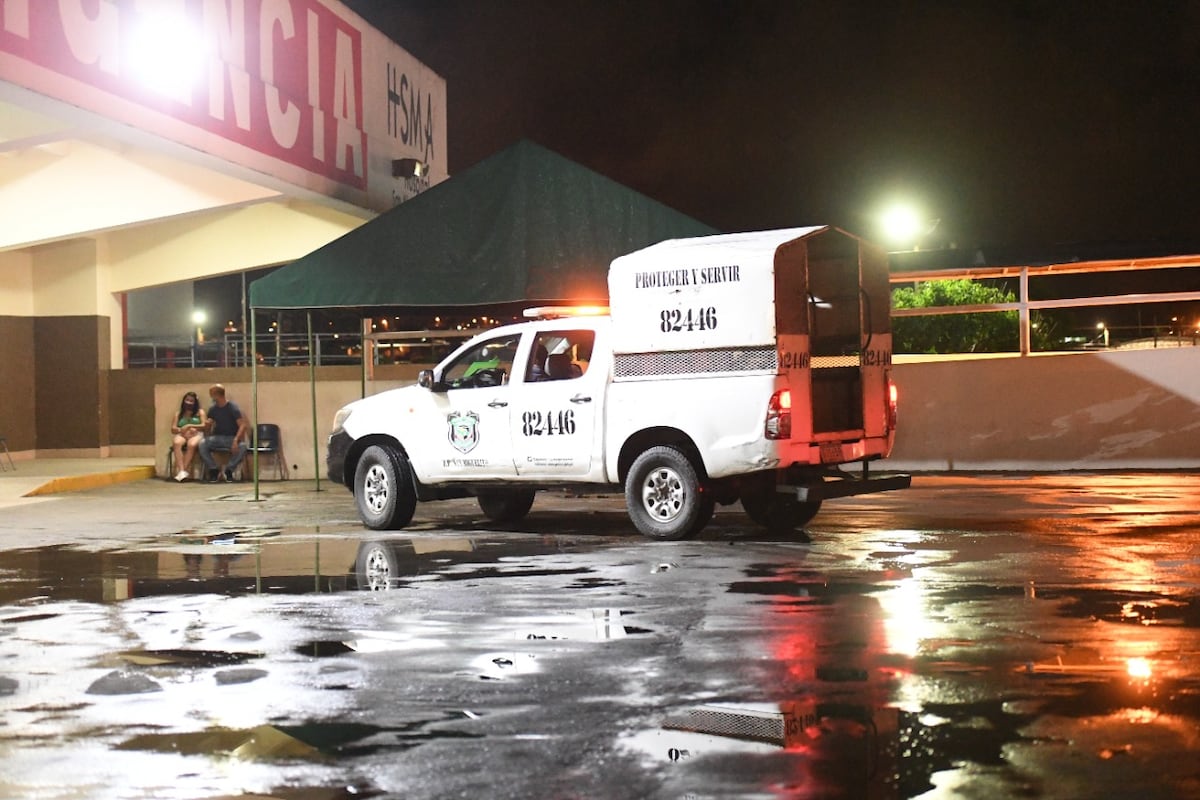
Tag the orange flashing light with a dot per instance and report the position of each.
(553, 312)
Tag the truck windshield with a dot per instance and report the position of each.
(488, 363)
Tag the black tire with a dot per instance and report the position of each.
(779, 514)
(383, 489)
(505, 505)
(376, 567)
(664, 496)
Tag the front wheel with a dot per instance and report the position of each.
(505, 505)
(376, 567)
(383, 489)
(664, 496)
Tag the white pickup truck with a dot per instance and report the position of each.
(743, 367)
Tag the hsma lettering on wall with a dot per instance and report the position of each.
(282, 77)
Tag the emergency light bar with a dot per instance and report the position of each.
(554, 312)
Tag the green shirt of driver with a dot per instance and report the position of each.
(476, 366)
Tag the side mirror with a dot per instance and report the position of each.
(425, 381)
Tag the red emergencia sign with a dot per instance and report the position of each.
(283, 78)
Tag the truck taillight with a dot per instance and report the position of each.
(779, 416)
(892, 397)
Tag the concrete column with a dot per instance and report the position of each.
(74, 317)
(17, 395)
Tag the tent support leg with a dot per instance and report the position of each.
(254, 395)
(312, 388)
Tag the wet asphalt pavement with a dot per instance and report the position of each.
(974, 637)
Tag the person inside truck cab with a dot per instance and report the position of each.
(582, 344)
(559, 367)
(488, 358)
(537, 364)
(486, 365)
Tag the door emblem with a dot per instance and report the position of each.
(463, 430)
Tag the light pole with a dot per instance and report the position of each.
(1103, 332)
(198, 319)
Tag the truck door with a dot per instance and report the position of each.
(555, 413)
(836, 338)
(468, 432)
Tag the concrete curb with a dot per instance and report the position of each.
(79, 483)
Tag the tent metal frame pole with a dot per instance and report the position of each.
(254, 400)
(245, 344)
(368, 354)
(312, 389)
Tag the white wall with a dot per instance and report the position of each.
(221, 242)
(16, 283)
(1137, 409)
(286, 404)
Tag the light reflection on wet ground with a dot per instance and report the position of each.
(1052, 658)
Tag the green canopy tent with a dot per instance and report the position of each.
(525, 224)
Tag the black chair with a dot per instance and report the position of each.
(269, 444)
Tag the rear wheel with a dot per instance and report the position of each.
(505, 505)
(664, 496)
(383, 489)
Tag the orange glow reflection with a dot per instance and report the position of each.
(1138, 668)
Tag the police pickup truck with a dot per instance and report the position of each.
(751, 368)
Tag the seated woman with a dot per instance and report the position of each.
(187, 431)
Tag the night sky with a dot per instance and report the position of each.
(1022, 123)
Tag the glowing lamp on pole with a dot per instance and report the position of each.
(198, 319)
(903, 225)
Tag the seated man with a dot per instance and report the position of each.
(537, 366)
(228, 429)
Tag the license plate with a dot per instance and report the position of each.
(831, 453)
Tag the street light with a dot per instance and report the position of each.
(198, 319)
(904, 225)
(1100, 326)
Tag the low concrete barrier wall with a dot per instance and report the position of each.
(1137, 409)
(287, 404)
(1112, 410)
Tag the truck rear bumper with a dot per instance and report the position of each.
(842, 484)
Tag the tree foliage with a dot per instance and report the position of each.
(983, 332)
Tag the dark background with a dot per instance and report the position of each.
(1016, 122)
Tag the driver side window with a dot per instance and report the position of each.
(488, 363)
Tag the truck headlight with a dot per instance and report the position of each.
(339, 419)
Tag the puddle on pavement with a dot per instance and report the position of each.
(853, 750)
(229, 559)
(1132, 608)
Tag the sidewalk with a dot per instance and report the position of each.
(33, 479)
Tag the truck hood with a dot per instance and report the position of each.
(361, 416)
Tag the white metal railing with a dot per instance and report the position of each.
(1024, 305)
(287, 349)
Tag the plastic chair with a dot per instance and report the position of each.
(269, 444)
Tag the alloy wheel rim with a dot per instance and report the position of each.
(375, 489)
(377, 569)
(663, 495)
